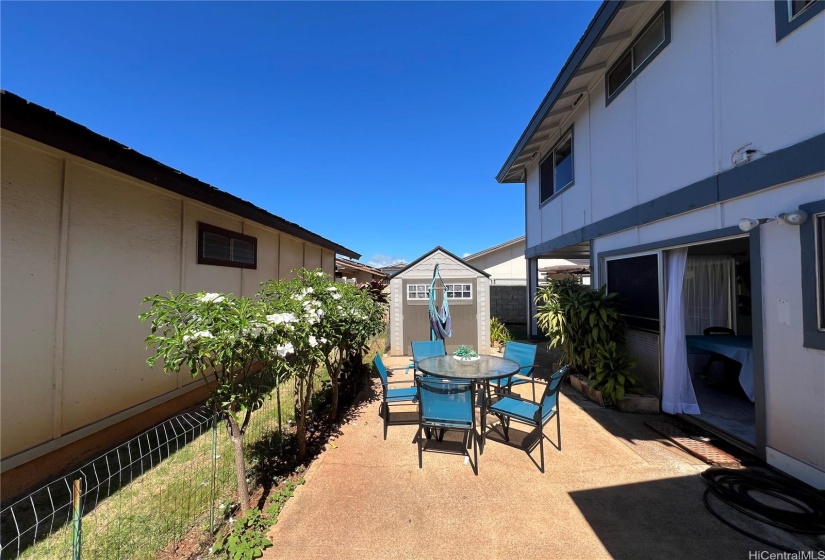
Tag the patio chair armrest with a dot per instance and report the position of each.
(522, 399)
(397, 382)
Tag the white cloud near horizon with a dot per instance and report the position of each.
(378, 261)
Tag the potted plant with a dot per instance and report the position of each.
(499, 335)
(465, 354)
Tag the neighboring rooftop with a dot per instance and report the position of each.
(43, 125)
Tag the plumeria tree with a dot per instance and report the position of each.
(298, 304)
(352, 318)
(224, 340)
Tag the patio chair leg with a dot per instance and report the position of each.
(420, 448)
(475, 453)
(386, 416)
(558, 426)
(505, 423)
(533, 384)
(541, 447)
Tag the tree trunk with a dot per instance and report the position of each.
(304, 399)
(240, 465)
(336, 390)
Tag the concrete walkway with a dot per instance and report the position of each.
(615, 490)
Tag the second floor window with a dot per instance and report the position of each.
(647, 45)
(556, 169)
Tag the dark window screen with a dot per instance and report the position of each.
(636, 280)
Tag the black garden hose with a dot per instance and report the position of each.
(805, 512)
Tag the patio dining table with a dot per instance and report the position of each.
(483, 370)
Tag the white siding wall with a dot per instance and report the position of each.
(81, 247)
(721, 83)
(794, 381)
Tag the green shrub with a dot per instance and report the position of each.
(499, 332)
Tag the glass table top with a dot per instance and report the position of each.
(486, 367)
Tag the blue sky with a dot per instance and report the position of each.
(379, 125)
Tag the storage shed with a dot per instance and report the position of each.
(468, 292)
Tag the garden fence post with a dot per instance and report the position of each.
(77, 492)
(278, 405)
(214, 473)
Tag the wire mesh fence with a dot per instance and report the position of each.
(146, 493)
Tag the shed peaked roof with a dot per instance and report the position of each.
(43, 125)
(446, 252)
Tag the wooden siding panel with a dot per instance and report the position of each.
(268, 259)
(292, 256)
(124, 244)
(31, 210)
(312, 257)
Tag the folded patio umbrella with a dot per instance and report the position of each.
(440, 324)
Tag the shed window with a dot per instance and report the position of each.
(459, 291)
(222, 247)
(647, 45)
(418, 291)
(454, 291)
(556, 170)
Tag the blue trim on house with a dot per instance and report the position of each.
(592, 34)
(812, 336)
(675, 241)
(665, 9)
(755, 250)
(785, 25)
(782, 166)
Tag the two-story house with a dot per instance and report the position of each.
(682, 146)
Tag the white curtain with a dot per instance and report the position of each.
(677, 390)
(707, 292)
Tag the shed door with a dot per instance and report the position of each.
(463, 311)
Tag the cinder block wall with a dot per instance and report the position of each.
(508, 303)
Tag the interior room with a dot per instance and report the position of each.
(716, 292)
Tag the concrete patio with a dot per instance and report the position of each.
(616, 490)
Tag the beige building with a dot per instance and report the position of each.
(354, 272)
(90, 228)
(506, 265)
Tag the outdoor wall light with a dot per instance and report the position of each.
(747, 224)
(792, 218)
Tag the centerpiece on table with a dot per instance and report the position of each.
(465, 354)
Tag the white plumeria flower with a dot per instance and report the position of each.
(213, 297)
(284, 349)
(199, 334)
(313, 341)
(278, 318)
(336, 296)
(332, 289)
(323, 340)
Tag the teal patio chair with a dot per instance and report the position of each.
(422, 349)
(534, 414)
(447, 404)
(390, 396)
(525, 355)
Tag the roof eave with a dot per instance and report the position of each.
(43, 125)
(597, 26)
